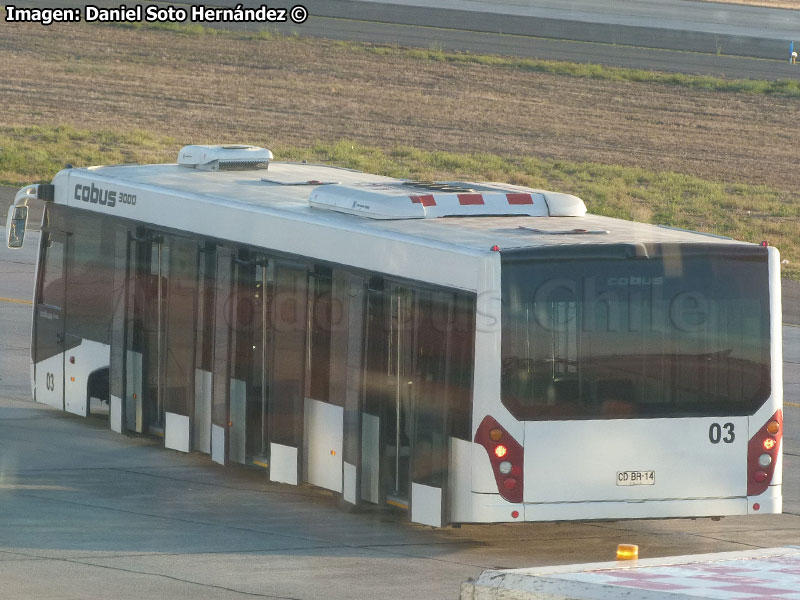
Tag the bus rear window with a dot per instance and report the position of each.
(678, 333)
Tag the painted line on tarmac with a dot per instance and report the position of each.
(15, 301)
(795, 404)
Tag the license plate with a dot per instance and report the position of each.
(636, 477)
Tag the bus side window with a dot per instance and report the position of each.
(90, 275)
(461, 352)
(320, 325)
(52, 277)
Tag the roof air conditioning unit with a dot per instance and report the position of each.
(225, 158)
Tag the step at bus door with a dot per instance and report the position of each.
(49, 321)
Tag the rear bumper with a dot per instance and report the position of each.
(491, 508)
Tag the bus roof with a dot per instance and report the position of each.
(319, 194)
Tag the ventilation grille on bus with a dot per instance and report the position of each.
(241, 165)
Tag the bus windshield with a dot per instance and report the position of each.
(624, 331)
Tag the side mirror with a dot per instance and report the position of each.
(15, 226)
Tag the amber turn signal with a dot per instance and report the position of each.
(627, 552)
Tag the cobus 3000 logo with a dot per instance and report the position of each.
(96, 195)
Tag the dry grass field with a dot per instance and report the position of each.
(289, 94)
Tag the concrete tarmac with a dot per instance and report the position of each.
(90, 514)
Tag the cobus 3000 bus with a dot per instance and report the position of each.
(468, 352)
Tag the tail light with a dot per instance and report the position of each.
(762, 454)
(506, 455)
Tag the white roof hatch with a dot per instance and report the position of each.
(230, 157)
(425, 200)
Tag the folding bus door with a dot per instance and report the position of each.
(408, 388)
(430, 398)
(179, 342)
(145, 336)
(251, 343)
(347, 381)
(49, 318)
(397, 419)
(204, 347)
(386, 425)
(288, 321)
(220, 354)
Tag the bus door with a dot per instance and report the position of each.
(405, 424)
(386, 427)
(149, 258)
(204, 347)
(49, 320)
(431, 391)
(348, 321)
(250, 368)
(179, 297)
(288, 320)
(396, 430)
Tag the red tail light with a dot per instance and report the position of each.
(502, 450)
(762, 454)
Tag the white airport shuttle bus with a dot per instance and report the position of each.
(471, 352)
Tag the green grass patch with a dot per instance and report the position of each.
(781, 87)
(746, 212)
(31, 154)
(195, 29)
(179, 28)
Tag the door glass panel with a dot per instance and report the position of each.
(396, 414)
(252, 350)
(52, 289)
(433, 320)
(147, 326)
(180, 312)
(49, 323)
(90, 272)
(319, 336)
(154, 335)
(205, 309)
(49, 311)
(223, 318)
(289, 318)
